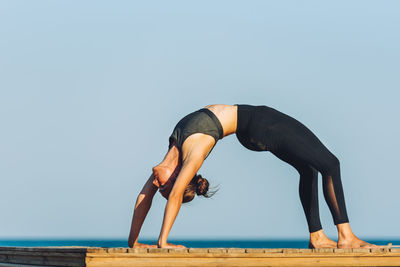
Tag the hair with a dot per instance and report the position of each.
(197, 186)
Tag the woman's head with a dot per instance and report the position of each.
(197, 186)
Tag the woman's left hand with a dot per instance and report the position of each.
(168, 245)
(141, 245)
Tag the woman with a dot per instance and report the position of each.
(258, 128)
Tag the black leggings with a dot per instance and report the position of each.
(261, 128)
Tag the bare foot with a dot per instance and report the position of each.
(354, 242)
(320, 240)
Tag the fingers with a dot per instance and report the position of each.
(174, 246)
(140, 245)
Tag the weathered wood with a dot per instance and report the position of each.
(323, 250)
(295, 250)
(217, 250)
(236, 250)
(158, 250)
(104, 250)
(198, 250)
(342, 250)
(39, 256)
(73, 249)
(99, 257)
(255, 250)
(137, 250)
(117, 250)
(249, 257)
(361, 250)
(273, 250)
(205, 261)
(16, 265)
(178, 250)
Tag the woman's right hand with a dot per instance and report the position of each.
(140, 245)
(168, 245)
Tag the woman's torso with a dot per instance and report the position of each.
(227, 116)
(255, 126)
(213, 120)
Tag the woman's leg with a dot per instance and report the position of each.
(334, 197)
(308, 191)
(333, 191)
(298, 143)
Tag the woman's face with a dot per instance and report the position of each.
(166, 188)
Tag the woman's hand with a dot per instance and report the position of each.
(140, 245)
(168, 245)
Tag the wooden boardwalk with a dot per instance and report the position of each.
(92, 256)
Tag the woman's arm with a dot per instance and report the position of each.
(194, 153)
(142, 206)
(189, 169)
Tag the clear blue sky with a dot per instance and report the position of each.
(91, 90)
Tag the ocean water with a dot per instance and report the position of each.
(276, 243)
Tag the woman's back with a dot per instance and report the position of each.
(227, 115)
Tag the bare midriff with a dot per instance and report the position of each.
(227, 116)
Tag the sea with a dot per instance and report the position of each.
(190, 243)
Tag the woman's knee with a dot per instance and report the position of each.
(332, 166)
(335, 163)
(307, 171)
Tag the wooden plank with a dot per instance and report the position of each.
(274, 250)
(73, 249)
(137, 250)
(342, 250)
(16, 265)
(61, 256)
(45, 261)
(26, 259)
(255, 250)
(117, 250)
(178, 250)
(217, 250)
(273, 261)
(360, 250)
(158, 250)
(98, 250)
(323, 250)
(236, 250)
(44, 254)
(296, 250)
(198, 250)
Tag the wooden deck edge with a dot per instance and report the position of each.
(96, 257)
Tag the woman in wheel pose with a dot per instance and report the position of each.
(258, 128)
